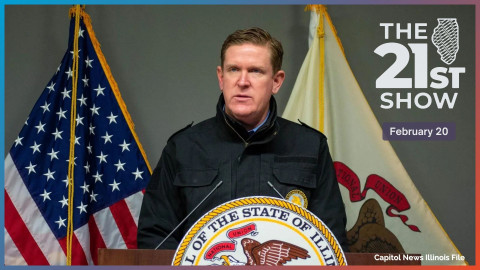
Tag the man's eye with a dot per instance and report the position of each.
(233, 69)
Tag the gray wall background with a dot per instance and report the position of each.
(164, 58)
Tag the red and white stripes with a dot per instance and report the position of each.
(29, 239)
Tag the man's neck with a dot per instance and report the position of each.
(259, 125)
(249, 127)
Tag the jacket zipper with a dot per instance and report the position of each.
(245, 143)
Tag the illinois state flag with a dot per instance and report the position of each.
(385, 211)
(109, 165)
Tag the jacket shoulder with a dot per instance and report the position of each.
(190, 130)
(303, 127)
(180, 131)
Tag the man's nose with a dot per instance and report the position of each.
(244, 79)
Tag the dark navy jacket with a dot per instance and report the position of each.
(289, 155)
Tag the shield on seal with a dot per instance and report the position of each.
(259, 231)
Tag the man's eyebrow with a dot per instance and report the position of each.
(248, 67)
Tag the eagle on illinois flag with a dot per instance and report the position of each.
(273, 252)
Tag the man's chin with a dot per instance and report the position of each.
(243, 117)
(241, 112)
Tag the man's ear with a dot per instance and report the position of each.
(220, 77)
(278, 79)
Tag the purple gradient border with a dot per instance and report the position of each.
(245, 2)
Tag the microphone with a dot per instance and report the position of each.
(189, 214)
(271, 185)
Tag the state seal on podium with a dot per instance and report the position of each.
(259, 231)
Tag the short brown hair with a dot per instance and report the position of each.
(256, 36)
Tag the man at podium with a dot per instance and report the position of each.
(246, 147)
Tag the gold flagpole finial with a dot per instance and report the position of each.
(316, 8)
(73, 10)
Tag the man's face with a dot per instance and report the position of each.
(247, 82)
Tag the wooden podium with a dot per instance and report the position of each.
(164, 257)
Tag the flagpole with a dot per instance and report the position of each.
(71, 160)
(320, 10)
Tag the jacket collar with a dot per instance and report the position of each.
(265, 132)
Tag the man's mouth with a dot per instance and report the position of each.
(242, 97)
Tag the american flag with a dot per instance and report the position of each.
(110, 168)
